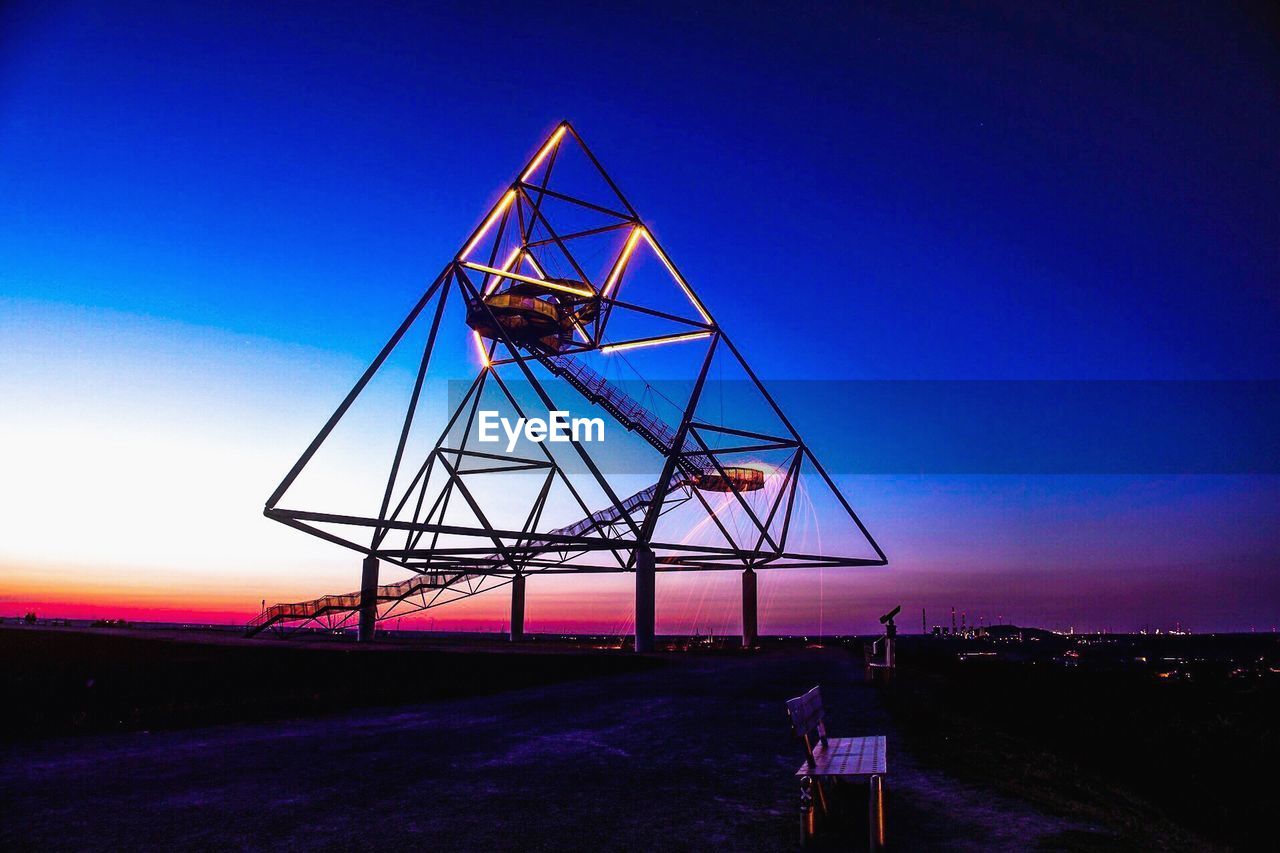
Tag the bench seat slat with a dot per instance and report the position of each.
(856, 758)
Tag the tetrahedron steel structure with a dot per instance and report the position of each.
(559, 285)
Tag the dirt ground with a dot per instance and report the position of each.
(691, 754)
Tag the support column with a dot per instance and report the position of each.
(368, 599)
(646, 575)
(750, 628)
(517, 608)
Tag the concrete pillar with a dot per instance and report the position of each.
(517, 608)
(645, 595)
(750, 628)
(368, 599)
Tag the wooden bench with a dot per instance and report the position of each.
(839, 760)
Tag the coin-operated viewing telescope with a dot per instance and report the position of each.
(880, 656)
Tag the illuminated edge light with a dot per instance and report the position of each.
(616, 272)
(533, 262)
(501, 206)
(480, 348)
(546, 149)
(688, 292)
(653, 342)
(554, 285)
(506, 265)
(582, 333)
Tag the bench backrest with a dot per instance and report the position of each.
(807, 714)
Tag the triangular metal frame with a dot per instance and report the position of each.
(607, 539)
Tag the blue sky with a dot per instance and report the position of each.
(1020, 192)
(1017, 192)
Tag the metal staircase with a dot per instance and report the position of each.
(623, 407)
(350, 602)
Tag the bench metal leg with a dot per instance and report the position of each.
(808, 814)
(875, 813)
